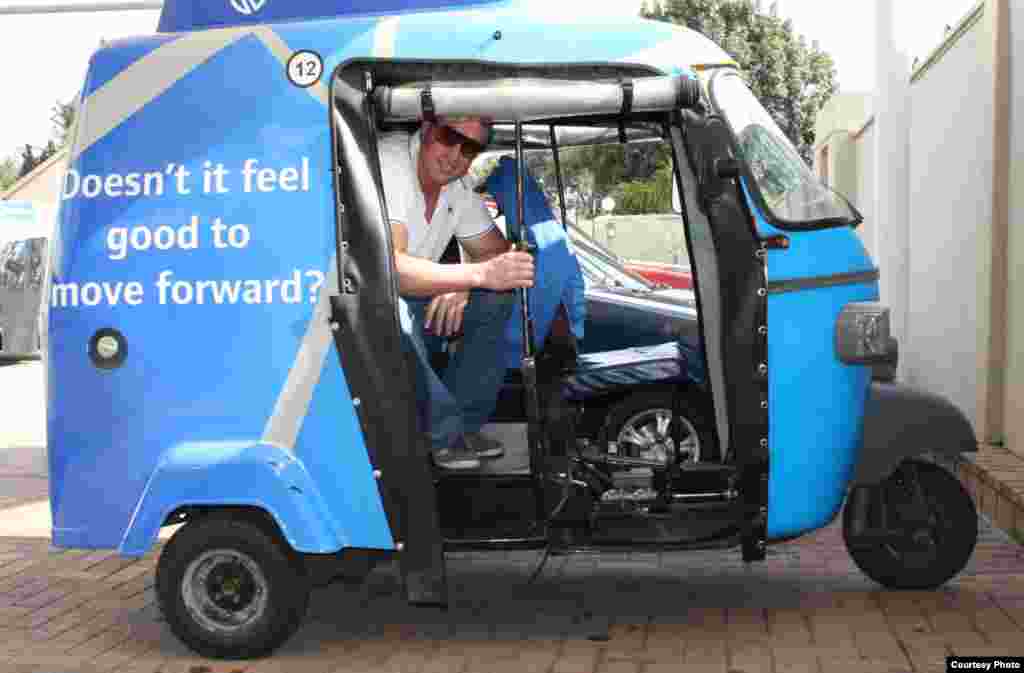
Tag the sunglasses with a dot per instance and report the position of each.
(449, 137)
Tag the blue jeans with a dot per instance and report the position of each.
(464, 398)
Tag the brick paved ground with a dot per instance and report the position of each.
(805, 609)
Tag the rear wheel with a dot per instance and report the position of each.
(229, 588)
(919, 549)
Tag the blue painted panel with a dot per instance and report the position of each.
(816, 408)
(198, 373)
(816, 402)
(332, 447)
(182, 15)
(230, 473)
(470, 35)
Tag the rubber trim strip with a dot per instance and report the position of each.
(815, 282)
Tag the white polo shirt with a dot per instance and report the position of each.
(459, 210)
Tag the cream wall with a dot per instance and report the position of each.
(864, 147)
(43, 184)
(950, 200)
(1013, 402)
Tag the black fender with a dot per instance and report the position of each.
(902, 422)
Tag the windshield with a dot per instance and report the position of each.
(788, 189)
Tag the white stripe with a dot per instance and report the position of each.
(292, 406)
(283, 52)
(138, 84)
(384, 35)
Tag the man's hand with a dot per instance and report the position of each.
(443, 316)
(507, 271)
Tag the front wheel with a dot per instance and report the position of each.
(930, 528)
(229, 589)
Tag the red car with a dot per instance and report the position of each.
(662, 274)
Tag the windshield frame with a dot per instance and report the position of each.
(753, 188)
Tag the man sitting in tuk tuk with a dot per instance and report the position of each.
(428, 201)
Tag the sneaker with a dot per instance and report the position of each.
(483, 446)
(456, 459)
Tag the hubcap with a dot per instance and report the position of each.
(920, 547)
(648, 434)
(224, 590)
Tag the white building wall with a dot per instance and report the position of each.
(1014, 380)
(950, 178)
(864, 146)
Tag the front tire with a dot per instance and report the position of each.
(230, 589)
(938, 549)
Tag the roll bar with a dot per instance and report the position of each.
(532, 99)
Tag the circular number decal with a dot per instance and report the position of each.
(305, 68)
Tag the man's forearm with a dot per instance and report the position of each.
(418, 277)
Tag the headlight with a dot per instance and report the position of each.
(862, 333)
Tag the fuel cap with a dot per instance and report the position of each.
(108, 348)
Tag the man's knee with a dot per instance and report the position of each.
(498, 305)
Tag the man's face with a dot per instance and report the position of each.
(443, 162)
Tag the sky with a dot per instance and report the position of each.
(34, 76)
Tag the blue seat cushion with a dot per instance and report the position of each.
(614, 371)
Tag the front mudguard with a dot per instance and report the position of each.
(901, 422)
(228, 474)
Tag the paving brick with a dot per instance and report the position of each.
(15, 568)
(794, 659)
(789, 628)
(127, 652)
(618, 667)
(749, 657)
(577, 662)
(626, 640)
(103, 642)
(706, 651)
(879, 647)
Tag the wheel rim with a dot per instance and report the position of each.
(224, 591)
(650, 432)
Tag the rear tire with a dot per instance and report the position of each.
(230, 589)
(938, 550)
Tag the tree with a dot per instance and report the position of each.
(28, 161)
(8, 173)
(63, 118)
(791, 80)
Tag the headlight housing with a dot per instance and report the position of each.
(863, 335)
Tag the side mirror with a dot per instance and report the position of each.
(677, 203)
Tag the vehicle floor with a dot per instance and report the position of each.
(506, 509)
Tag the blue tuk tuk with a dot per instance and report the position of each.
(224, 344)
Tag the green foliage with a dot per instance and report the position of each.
(8, 173)
(63, 117)
(791, 80)
(647, 197)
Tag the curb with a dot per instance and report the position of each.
(994, 477)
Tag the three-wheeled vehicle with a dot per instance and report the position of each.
(225, 352)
